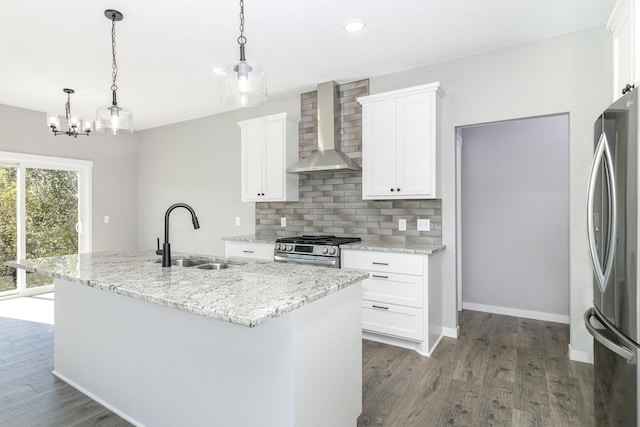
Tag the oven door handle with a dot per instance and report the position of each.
(307, 261)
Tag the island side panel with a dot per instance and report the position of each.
(158, 366)
(328, 357)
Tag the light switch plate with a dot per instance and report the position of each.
(106, 219)
(402, 224)
(424, 225)
(283, 221)
(237, 220)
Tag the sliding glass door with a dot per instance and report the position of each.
(44, 211)
(8, 228)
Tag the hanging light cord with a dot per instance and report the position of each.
(242, 40)
(114, 65)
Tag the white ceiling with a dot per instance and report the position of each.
(167, 49)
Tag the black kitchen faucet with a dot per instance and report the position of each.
(166, 247)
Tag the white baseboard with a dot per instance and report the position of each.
(580, 356)
(97, 399)
(451, 332)
(507, 311)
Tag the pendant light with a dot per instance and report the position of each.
(243, 85)
(73, 122)
(113, 118)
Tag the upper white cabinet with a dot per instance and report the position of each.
(399, 138)
(269, 145)
(622, 24)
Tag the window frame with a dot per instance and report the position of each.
(84, 168)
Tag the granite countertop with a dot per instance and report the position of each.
(406, 248)
(249, 238)
(249, 294)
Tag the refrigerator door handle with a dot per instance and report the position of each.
(602, 150)
(613, 224)
(591, 194)
(618, 349)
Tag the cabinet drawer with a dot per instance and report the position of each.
(383, 261)
(390, 319)
(249, 250)
(394, 288)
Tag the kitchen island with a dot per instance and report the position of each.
(260, 343)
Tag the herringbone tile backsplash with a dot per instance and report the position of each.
(331, 202)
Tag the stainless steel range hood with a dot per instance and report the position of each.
(328, 157)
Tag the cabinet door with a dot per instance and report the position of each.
(252, 143)
(414, 154)
(379, 149)
(621, 26)
(274, 164)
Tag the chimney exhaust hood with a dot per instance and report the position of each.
(328, 157)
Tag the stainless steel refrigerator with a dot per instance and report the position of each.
(612, 226)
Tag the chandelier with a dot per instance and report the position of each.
(113, 118)
(242, 84)
(73, 122)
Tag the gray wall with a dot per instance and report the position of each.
(114, 170)
(515, 215)
(197, 162)
(572, 73)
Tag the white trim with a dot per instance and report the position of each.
(430, 87)
(451, 332)
(35, 160)
(580, 356)
(459, 143)
(97, 399)
(508, 311)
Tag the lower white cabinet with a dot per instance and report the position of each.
(249, 250)
(401, 299)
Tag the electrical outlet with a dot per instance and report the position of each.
(424, 225)
(283, 221)
(237, 220)
(106, 219)
(402, 224)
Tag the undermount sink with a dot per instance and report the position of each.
(199, 263)
(216, 266)
(186, 262)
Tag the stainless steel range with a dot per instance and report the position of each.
(311, 250)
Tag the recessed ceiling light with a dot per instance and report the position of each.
(354, 25)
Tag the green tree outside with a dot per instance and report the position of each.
(51, 205)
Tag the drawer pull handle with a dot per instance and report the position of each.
(377, 276)
(380, 263)
(248, 252)
(379, 306)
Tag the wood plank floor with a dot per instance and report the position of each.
(501, 371)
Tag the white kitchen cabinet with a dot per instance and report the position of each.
(399, 139)
(269, 145)
(401, 299)
(254, 250)
(623, 23)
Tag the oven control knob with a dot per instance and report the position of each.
(325, 250)
(280, 247)
(289, 248)
(332, 251)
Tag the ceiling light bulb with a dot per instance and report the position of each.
(354, 25)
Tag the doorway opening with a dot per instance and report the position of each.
(513, 217)
(45, 210)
